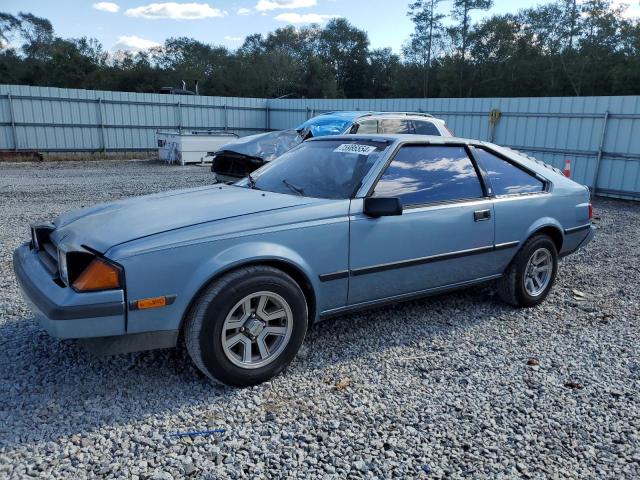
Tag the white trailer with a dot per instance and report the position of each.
(189, 146)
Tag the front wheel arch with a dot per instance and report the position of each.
(287, 267)
(212, 348)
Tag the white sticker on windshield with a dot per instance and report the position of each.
(355, 148)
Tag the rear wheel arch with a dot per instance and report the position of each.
(512, 286)
(289, 268)
(551, 231)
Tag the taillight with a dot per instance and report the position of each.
(590, 212)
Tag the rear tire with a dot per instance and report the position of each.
(531, 274)
(246, 327)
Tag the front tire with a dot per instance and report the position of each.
(531, 274)
(246, 327)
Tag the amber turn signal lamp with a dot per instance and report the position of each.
(155, 302)
(99, 275)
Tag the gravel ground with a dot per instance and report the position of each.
(452, 386)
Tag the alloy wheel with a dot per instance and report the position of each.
(537, 274)
(257, 329)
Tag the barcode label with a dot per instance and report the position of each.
(355, 148)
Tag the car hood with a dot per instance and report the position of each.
(103, 226)
(266, 146)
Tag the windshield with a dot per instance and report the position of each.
(321, 169)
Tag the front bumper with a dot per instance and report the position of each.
(63, 312)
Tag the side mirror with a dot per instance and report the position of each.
(382, 207)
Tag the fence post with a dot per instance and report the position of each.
(267, 112)
(599, 157)
(13, 123)
(103, 139)
(494, 117)
(226, 119)
(179, 106)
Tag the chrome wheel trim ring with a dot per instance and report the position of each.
(537, 273)
(257, 330)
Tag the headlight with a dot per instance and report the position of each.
(40, 234)
(99, 275)
(62, 266)
(85, 272)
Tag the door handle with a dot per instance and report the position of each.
(481, 215)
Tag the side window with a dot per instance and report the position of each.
(395, 126)
(424, 174)
(425, 128)
(505, 178)
(365, 126)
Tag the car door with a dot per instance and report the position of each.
(441, 239)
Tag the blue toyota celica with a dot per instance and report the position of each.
(334, 225)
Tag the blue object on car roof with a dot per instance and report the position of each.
(331, 123)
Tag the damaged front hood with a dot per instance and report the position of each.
(265, 146)
(103, 226)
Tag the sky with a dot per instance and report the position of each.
(136, 24)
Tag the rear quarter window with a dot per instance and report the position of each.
(365, 127)
(425, 128)
(506, 178)
(393, 125)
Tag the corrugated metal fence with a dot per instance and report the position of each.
(600, 135)
(57, 119)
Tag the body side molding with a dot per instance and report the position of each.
(326, 277)
(404, 297)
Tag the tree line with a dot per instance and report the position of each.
(562, 48)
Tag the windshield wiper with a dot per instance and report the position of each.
(292, 187)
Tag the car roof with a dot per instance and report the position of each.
(345, 114)
(356, 114)
(400, 139)
(404, 115)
